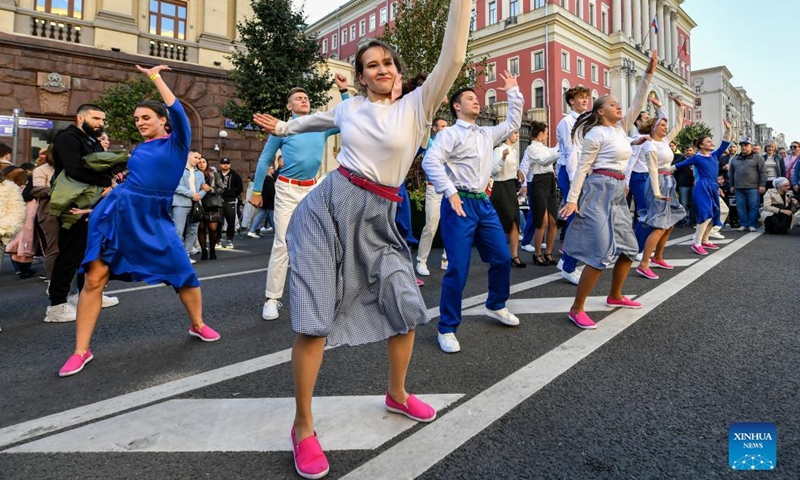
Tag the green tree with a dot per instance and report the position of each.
(119, 102)
(277, 56)
(690, 133)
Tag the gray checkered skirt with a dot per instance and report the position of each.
(661, 214)
(352, 278)
(602, 230)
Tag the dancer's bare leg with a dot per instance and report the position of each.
(90, 303)
(399, 349)
(306, 361)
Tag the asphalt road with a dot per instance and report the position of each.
(654, 400)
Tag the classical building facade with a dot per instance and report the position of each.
(552, 45)
(56, 55)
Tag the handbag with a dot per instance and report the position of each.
(212, 201)
(197, 212)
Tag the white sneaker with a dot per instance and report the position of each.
(444, 264)
(574, 277)
(72, 299)
(422, 269)
(639, 256)
(753, 229)
(194, 251)
(230, 244)
(560, 265)
(741, 229)
(265, 230)
(192, 261)
(449, 343)
(528, 248)
(252, 235)
(717, 235)
(61, 313)
(110, 301)
(270, 310)
(503, 315)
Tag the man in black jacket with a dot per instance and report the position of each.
(230, 196)
(69, 148)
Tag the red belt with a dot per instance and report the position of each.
(664, 172)
(610, 173)
(430, 183)
(389, 193)
(302, 183)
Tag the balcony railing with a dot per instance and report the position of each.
(167, 50)
(55, 30)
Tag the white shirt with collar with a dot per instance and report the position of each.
(461, 158)
(538, 159)
(564, 136)
(505, 169)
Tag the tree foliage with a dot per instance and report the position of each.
(119, 102)
(417, 35)
(690, 133)
(277, 56)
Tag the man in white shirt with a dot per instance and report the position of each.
(578, 100)
(459, 163)
(433, 206)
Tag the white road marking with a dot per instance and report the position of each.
(548, 305)
(236, 425)
(675, 262)
(202, 279)
(717, 242)
(104, 408)
(417, 453)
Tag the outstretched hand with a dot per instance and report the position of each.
(154, 70)
(640, 140)
(268, 123)
(341, 81)
(727, 124)
(568, 209)
(651, 67)
(510, 81)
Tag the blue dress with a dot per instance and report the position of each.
(131, 229)
(705, 195)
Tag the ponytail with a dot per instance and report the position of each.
(588, 120)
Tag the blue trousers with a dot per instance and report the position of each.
(259, 220)
(563, 184)
(747, 204)
(403, 217)
(637, 184)
(530, 229)
(480, 228)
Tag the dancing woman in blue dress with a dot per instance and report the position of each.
(131, 234)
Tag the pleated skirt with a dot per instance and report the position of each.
(662, 214)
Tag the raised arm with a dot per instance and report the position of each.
(514, 116)
(181, 130)
(679, 121)
(641, 94)
(451, 57)
(726, 140)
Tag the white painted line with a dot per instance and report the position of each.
(212, 277)
(548, 305)
(718, 242)
(417, 453)
(236, 425)
(104, 408)
(676, 262)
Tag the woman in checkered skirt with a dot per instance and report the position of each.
(352, 279)
(601, 233)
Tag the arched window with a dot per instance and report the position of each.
(537, 94)
(564, 87)
(491, 97)
(595, 95)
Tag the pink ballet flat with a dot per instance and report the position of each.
(698, 249)
(414, 408)
(582, 320)
(309, 459)
(660, 264)
(623, 302)
(646, 273)
(710, 246)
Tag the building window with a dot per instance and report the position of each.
(595, 95)
(491, 72)
(606, 80)
(492, 13)
(372, 23)
(579, 67)
(538, 60)
(491, 97)
(362, 28)
(538, 94)
(565, 4)
(334, 42)
(565, 61)
(604, 20)
(393, 11)
(352, 59)
(353, 32)
(168, 19)
(325, 45)
(513, 8)
(383, 16)
(539, 4)
(592, 11)
(594, 73)
(66, 8)
(698, 115)
(564, 87)
(344, 36)
(579, 8)
(473, 20)
(513, 65)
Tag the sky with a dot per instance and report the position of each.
(752, 39)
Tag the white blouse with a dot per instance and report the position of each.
(659, 157)
(503, 170)
(538, 159)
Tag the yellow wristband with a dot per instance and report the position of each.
(154, 76)
(257, 193)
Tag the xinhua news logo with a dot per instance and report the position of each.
(753, 446)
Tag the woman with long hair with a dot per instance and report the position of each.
(47, 224)
(352, 278)
(537, 165)
(23, 246)
(601, 233)
(131, 235)
(212, 202)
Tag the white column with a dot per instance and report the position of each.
(674, 26)
(652, 13)
(668, 52)
(626, 18)
(636, 22)
(645, 22)
(616, 16)
(661, 29)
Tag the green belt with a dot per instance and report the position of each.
(480, 196)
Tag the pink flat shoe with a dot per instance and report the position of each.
(646, 273)
(623, 302)
(414, 408)
(582, 320)
(698, 249)
(206, 334)
(660, 264)
(309, 459)
(420, 282)
(75, 364)
(710, 246)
